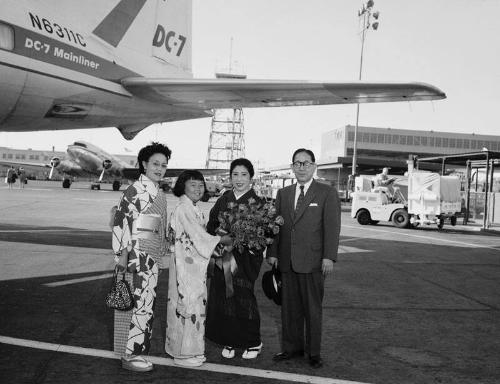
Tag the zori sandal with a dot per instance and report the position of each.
(228, 352)
(195, 361)
(252, 353)
(136, 363)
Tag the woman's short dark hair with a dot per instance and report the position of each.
(146, 152)
(189, 174)
(243, 162)
(308, 151)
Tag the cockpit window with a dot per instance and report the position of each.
(6, 37)
(80, 144)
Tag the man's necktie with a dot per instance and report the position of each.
(300, 200)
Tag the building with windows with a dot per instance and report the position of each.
(28, 155)
(390, 147)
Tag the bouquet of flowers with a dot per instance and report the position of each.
(252, 225)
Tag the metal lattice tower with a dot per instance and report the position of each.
(227, 134)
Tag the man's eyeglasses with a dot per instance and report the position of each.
(305, 164)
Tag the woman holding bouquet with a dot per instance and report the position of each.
(187, 291)
(233, 318)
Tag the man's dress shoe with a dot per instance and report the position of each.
(315, 362)
(287, 355)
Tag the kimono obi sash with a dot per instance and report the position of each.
(148, 226)
(150, 229)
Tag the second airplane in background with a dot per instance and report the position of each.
(87, 160)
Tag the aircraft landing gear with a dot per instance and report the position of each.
(95, 186)
(66, 183)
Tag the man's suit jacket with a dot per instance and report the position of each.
(310, 234)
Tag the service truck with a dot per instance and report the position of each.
(427, 198)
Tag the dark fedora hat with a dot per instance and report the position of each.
(271, 285)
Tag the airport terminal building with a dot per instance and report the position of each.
(390, 147)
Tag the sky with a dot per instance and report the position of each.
(451, 44)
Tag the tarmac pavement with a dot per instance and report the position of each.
(403, 305)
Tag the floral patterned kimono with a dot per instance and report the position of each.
(187, 291)
(140, 227)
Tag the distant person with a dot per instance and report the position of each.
(11, 176)
(304, 251)
(192, 247)
(383, 180)
(234, 322)
(139, 242)
(350, 183)
(22, 177)
(350, 187)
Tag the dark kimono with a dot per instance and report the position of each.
(234, 321)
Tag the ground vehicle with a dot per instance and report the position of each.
(430, 199)
(372, 207)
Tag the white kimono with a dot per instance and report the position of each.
(187, 290)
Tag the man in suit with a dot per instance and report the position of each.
(304, 251)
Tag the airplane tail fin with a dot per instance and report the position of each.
(157, 28)
(172, 39)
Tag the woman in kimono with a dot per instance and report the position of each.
(139, 244)
(192, 247)
(233, 320)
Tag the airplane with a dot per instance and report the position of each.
(127, 64)
(87, 160)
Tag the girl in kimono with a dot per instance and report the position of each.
(187, 292)
(139, 242)
(233, 321)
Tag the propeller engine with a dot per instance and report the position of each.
(106, 164)
(54, 162)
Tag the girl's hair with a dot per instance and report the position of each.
(146, 152)
(243, 162)
(189, 174)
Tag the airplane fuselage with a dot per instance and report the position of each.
(60, 74)
(93, 162)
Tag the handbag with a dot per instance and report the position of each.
(120, 296)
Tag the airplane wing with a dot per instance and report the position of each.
(24, 164)
(232, 93)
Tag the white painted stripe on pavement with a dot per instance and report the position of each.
(357, 238)
(426, 237)
(220, 368)
(347, 249)
(76, 281)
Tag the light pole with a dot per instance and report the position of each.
(366, 13)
